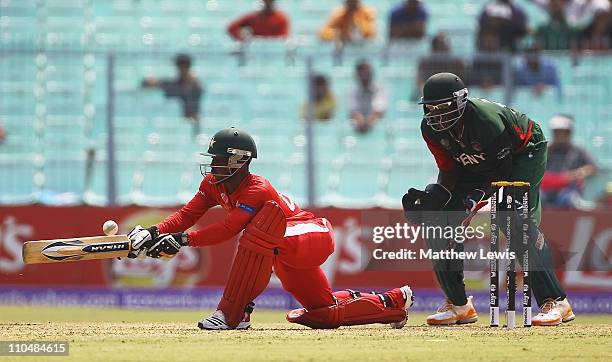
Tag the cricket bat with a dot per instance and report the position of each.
(73, 249)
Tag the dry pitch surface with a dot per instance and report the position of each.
(156, 335)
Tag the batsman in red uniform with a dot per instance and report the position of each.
(277, 235)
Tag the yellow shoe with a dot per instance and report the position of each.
(554, 312)
(448, 314)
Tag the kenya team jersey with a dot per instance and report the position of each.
(492, 135)
(241, 205)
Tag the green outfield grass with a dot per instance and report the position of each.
(157, 335)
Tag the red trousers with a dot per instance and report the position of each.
(298, 265)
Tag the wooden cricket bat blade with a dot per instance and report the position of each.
(85, 248)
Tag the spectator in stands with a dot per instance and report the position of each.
(185, 86)
(590, 17)
(324, 102)
(438, 61)
(268, 22)
(608, 35)
(504, 19)
(488, 65)
(368, 100)
(567, 168)
(2, 135)
(557, 34)
(537, 72)
(352, 22)
(605, 199)
(408, 20)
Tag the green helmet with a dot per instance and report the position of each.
(229, 149)
(444, 100)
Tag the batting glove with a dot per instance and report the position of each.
(141, 239)
(167, 245)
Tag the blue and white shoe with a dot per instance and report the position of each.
(217, 322)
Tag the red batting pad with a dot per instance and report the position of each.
(252, 267)
(364, 309)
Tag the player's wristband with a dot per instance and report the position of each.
(185, 239)
(181, 238)
(154, 231)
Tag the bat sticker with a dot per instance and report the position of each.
(75, 249)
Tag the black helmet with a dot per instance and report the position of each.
(444, 100)
(233, 148)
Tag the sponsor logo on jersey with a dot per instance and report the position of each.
(503, 153)
(539, 243)
(467, 159)
(477, 146)
(246, 208)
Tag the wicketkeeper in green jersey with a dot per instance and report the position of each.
(474, 142)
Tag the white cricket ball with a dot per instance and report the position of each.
(110, 227)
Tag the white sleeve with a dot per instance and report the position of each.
(380, 100)
(601, 6)
(542, 3)
(353, 105)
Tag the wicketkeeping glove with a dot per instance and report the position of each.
(415, 202)
(167, 245)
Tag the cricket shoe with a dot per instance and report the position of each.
(408, 302)
(554, 312)
(448, 314)
(217, 320)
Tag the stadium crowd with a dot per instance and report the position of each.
(573, 25)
